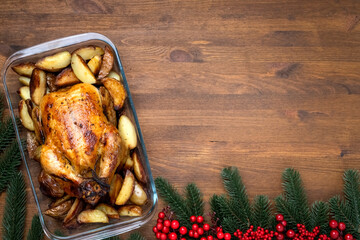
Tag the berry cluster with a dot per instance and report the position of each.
(337, 231)
(165, 229)
(250, 234)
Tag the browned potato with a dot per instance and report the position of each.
(92, 216)
(114, 75)
(126, 189)
(24, 80)
(49, 186)
(32, 146)
(37, 125)
(25, 118)
(60, 210)
(50, 81)
(54, 63)
(116, 90)
(59, 201)
(94, 64)
(107, 63)
(37, 85)
(115, 187)
(24, 69)
(89, 52)
(139, 196)
(72, 224)
(24, 92)
(81, 70)
(138, 168)
(129, 164)
(75, 209)
(66, 78)
(127, 132)
(108, 105)
(108, 210)
(130, 210)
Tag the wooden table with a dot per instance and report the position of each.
(258, 84)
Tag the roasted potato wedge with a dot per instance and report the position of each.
(108, 210)
(92, 216)
(130, 210)
(94, 64)
(66, 78)
(115, 75)
(89, 52)
(72, 224)
(81, 70)
(60, 210)
(50, 82)
(37, 85)
(54, 63)
(25, 117)
(49, 186)
(139, 196)
(59, 201)
(129, 164)
(126, 189)
(37, 125)
(138, 168)
(24, 92)
(107, 63)
(75, 209)
(24, 80)
(24, 69)
(108, 105)
(127, 132)
(116, 90)
(33, 146)
(115, 187)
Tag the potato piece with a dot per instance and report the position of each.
(37, 85)
(66, 78)
(60, 201)
(138, 168)
(116, 90)
(94, 64)
(107, 63)
(108, 105)
(60, 210)
(115, 187)
(49, 186)
(74, 211)
(139, 196)
(92, 216)
(25, 118)
(126, 189)
(129, 164)
(130, 210)
(127, 132)
(24, 69)
(50, 82)
(108, 210)
(35, 115)
(54, 63)
(24, 80)
(81, 70)
(33, 146)
(72, 224)
(115, 75)
(24, 92)
(89, 52)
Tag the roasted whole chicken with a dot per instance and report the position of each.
(81, 148)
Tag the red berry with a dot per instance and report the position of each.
(279, 217)
(158, 235)
(195, 227)
(166, 229)
(206, 227)
(200, 231)
(348, 237)
(284, 223)
(182, 238)
(203, 238)
(341, 226)
(192, 219)
(334, 234)
(160, 220)
(333, 224)
(155, 230)
(220, 235)
(196, 235)
(191, 233)
(199, 219)
(218, 229)
(279, 227)
(183, 230)
(161, 215)
(290, 233)
(227, 236)
(280, 236)
(159, 226)
(175, 224)
(172, 236)
(163, 236)
(167, 223)
(210, 237)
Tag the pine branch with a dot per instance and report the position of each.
(7, 134)
(9, 161)
(175, 200)
(320, 216)
(136, 236)
(59, 233)
(15, 209)
(283, 207)
(352, 194)
(261, 212)
(35, 232)
(194, 199)
(239, 201)
(216, 207)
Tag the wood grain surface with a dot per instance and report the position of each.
(258, 84)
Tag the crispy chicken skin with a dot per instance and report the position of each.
(81, 147)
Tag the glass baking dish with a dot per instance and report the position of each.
(52, 227)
